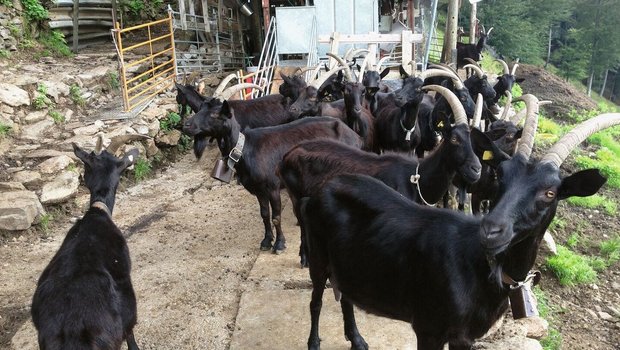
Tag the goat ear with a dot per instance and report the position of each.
(581, 184)
(384, 73)
(403, 72)
(129, 159)
(84, 156)
(518, 134)
(486, 150)
(495, 134)
(226, 111)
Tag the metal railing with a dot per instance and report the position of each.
(313, 56)
(268, 61)
(144, 86)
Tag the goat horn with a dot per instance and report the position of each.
(444, 67)
(347, 55)
(477, 69)
(381, 61)
(558, 152)
(505, 65)
(365, 64)
(507, 106)
(347, 70)
(220, 88)
(236, 88)
(456, 80)
(99, 145)
(319, 81)
(489, 32)
(531, 123)
(514, 68)
(472, 62)
(299, 71)
(355, 53)
(478, 112)
(457, 108)
(117, 141)
(516, 119)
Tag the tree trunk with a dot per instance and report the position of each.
(590, 79)
(604, 83)
(549, 47)
(449, 45)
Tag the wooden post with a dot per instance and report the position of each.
(266, 18)
(76, 24)
(449, 45)
(472, 23)
(407, 45)
(205, 15)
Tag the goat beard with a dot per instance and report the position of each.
(200, 143)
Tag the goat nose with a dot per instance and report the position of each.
(476, 169)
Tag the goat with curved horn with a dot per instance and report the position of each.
(457, 108)
(381, 62)
(99, 145)
(507, 106)
(471, 61)
(504, 65)
(365, 64)
(517, 118)
(476, 69)
(514, 68)
(220, 88)
(347, 70)
(120, 140)
(354, 53)
(228, 93)
(477, 112)
(531, 124)
(558, 152)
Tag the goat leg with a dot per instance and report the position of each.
(350, 327)
(131, 342)
(263, 202)
(318, 275)
(276, 212)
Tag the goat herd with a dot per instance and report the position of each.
(362, 169)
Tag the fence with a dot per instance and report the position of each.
(140, 87)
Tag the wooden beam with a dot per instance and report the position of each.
(449, 45)
(472, 23)
(76, 25)
(266, 17)
(372, 38)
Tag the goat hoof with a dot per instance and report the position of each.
(279, 247)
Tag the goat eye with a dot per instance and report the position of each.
(454, 140)
(550, 194)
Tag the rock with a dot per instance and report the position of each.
(614, 311)
(44, 153)
(35, 131)
(141, 129)
(7, 109)
(11, 186)
(151, 148)
(536, 327)
(511, 343)
(63, 187)
(55, 164)
(168, 139)
(615, 285)
(27, 177)
(68, 115)
(592, 313)
(605, 316)
(13, 96)
(91, 129)
(151, 113)
(87, 142)
(90, 78)
(19, 210)
(35, 117)
(154, 128)
(56, 89)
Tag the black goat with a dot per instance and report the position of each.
(448, 274)
(291, 86)
(187, 96)
(358, 117)
(84, 297)
(471, 51)
(256, 153)
(306, 167)
(506, 81)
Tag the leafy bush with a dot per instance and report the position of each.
(571, 268)
(41, 100)
(4, 130)
(76, 95)
(142, 169)
(171, 121)
(56, 43)
(57, 116)
(34, 11)
(141, 9)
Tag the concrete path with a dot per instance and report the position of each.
(274, 308)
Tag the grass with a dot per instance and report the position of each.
(57, 116)
(557, 224)
(596, 201)
(142, 169)
(5, 130)
(610, 250)
(548, 132)
(185, 143)
(606, 157)
(55, 42)
(41, 100)
(5, 53)
(45, 222)
(571, 268)
(76, 95)
(34, 11)
(573, 240)
(171, 121)
(113, 81)
(553, 340)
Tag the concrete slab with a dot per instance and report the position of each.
(280, 320)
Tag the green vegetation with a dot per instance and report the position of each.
(113, 81)
(27, 44)
(55, 42)
(7, 3)
(5, 53)
(553, 340)
(58, 117)
(610, 250)
(76, 95)
(45, 222)
(548, 132)
(41, 100)
(34, 11)
(571, 268)
(5, 130)
(606, 157)
(141, 9)
(594, 202)
(557, 224)
(142, 169)
(171, 121)
(185, 143)
(573, 240)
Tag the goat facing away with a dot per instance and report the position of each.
(84, 298)
(448, 274)
(256, 153)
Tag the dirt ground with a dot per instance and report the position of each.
(194, 241)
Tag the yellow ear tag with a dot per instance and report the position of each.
(440, 125)
(487, 155)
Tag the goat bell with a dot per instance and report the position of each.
(222, 172)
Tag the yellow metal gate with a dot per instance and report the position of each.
(141, 87)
